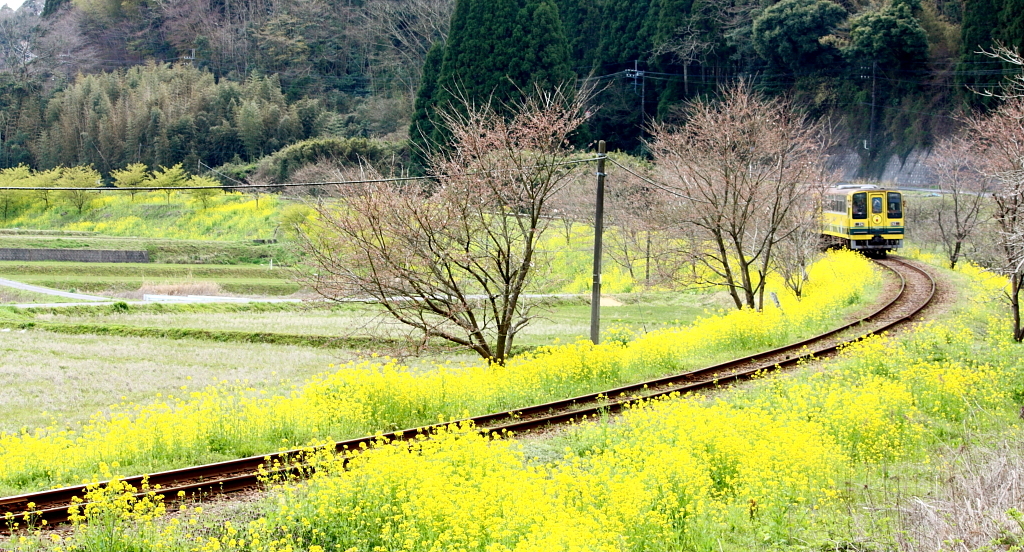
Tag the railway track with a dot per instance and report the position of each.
(916, 291)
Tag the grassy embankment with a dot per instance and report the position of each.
(177, 216)
(216, 241)
(161, 250)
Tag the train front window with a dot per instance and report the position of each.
(860, 205)
(876, 206)
(895, 205)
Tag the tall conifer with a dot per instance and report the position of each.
(422, 125)
(1012, 24)
(496, 49)
(622, 36)
(980, 21)
(582, 22)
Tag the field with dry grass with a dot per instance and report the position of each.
(46, 376)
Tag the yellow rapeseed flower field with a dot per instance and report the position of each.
(759, 467)
(231, 420)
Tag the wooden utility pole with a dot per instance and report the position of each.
(595, 297)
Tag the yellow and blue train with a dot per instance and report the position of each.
(863, 218)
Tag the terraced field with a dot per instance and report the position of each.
(119, 278)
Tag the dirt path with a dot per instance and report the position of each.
(51, 291)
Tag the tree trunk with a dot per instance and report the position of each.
(730, 281)
(1015, 284)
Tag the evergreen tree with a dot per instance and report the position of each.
(1011, 30)
(891, 37)
(480, 52)
(544, 57)
(787, 34)
(582, 22)
(422, 123)
(623, 36)
(51, 6)
(980, 21)
(496, 50)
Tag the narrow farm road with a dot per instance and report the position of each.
(51, 291)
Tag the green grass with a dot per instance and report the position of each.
(122, 277)
(11, 295)
(161, 250)
(228, 216)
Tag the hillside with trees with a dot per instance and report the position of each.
(108, 83)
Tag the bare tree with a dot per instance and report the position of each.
(638, 243)
(1000, 137)
(16, 33)
(1000, 142)
(734, 177)
(955, 161)
(453, 256)
(800, 241)
(573, 206)
(1013, 87)
(61, 49)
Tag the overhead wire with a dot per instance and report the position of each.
(657, 185)
(299, 184)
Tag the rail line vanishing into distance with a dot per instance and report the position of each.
(916, 291)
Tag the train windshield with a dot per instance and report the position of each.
(860, 205)
(895, 205)
(876, 206)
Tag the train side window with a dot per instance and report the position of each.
(876, 205)
(837, 204)
(895, 205)
(860, 205)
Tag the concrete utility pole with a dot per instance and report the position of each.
(595, 297)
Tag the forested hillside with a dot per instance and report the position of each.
(210, 82)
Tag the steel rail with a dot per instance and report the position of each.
(251, 472)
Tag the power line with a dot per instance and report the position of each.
(657, 185)
(297, 184)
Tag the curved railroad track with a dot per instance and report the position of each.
(916, 291)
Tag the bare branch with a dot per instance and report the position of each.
(737, 174)
(1000, 144)
(453, 256)
(1014, 86)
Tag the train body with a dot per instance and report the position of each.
(863, 218)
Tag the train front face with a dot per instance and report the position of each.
(876, 221)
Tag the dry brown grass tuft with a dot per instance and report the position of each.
(192, 287)
(970, 507)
